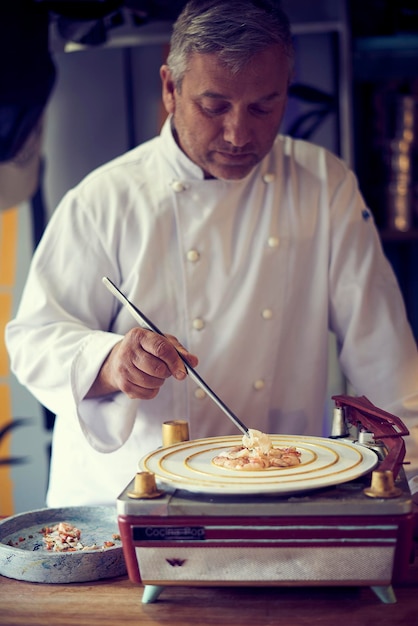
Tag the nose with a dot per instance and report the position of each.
(237, 129)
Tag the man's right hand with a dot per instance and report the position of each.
(140, 363)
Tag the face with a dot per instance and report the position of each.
(227, 123)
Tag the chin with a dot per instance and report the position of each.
(228, 173)
(236, 175)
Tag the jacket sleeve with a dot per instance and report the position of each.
(63, 332)
(377, 349)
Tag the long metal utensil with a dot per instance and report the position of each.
(143, 321)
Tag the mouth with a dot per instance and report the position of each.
(236, 157)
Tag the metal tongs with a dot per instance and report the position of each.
(143, 321)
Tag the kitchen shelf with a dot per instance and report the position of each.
(410, 236)
(385, 69)
(385, 57)
(400, 44)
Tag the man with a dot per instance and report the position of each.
(245, 245)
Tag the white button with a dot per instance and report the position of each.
(193, 256)
(259, 384)
(199, 394)
(269, 178)
(198, 323)
(273, 242)
(177, 186)
(267, 314)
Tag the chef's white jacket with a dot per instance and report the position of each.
(250, 275)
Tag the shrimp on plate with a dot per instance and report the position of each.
(257, 453)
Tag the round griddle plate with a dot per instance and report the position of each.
(324, 462)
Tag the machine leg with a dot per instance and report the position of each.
(385, 594)
(151, 593)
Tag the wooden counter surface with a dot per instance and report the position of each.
(117, 602)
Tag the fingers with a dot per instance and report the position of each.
(155, 355)
(191, 359)
(143, 360)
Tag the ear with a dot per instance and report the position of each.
(169, 98)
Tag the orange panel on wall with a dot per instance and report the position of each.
(8, 242)
(6, 485)
(5, 314)
(8, 254)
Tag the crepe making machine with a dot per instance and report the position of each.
(343, 517)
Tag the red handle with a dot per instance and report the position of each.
(382, 424)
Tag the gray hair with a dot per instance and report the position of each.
(234, 29)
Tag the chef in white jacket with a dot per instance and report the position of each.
(245, 245)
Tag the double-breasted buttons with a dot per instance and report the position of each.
(193, 256)
(199, 394)
(178, 186)
(259, 384)
(269, 177)
(273, 242)
(267, 314)
(198, 323)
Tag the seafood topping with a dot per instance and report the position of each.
(257, 453)
(65, 537)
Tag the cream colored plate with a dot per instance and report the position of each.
(324, 462)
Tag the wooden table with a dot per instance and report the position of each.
(117, 602)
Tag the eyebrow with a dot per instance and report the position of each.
(219, 96)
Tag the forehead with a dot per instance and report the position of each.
(267, 71)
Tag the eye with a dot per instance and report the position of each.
(258, 109)
(215, 111)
